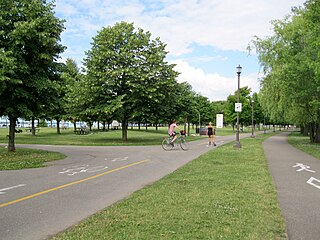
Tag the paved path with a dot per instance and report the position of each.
(297, 179)
(37, 203)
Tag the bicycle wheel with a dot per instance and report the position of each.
(166, 144)
(184, 144)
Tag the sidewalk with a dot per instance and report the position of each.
(297, 179)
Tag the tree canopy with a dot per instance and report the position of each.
(29, 49)
(290, 59)
(127, 73)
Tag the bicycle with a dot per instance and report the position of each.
(181, 140)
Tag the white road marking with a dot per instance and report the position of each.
(120, 159)
(82, 169)
(303, 167)
(3, 191)
(312, 180)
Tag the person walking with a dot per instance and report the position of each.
(211, 135)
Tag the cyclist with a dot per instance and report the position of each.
(171, 131)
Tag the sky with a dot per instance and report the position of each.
(206, 39)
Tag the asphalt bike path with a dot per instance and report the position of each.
(38, 203)
(297, 179)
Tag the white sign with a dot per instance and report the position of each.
(219, 121)
(238, 107)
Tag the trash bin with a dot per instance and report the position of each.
(203, 131)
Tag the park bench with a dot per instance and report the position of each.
(29, 129)
(81, 131)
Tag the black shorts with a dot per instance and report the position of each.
(172, 134)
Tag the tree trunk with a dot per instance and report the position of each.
(12, 127)
(311, 128)
(74, 125)
(124, 130)
(314, 130)
(305, 130)
(33, 130)
(302, 129)
(317, 133)
(58, 126)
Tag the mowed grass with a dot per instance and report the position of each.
(108, 138)
(151, 136)
(303, 143)
(224, 194)
(26, 158)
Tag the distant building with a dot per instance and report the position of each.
(4, 122)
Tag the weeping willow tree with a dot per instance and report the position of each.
(290, 88)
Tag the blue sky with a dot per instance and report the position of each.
(207, 39)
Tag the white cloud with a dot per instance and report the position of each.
(213, 86)
(182, 25)
(224, 24)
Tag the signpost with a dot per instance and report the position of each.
(238, 107)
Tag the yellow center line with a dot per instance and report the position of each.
(70, 184)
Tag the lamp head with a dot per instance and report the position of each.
(239, 68)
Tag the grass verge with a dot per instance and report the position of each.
(26, 158)
(224, 194)
(303, 143)
(109, 138)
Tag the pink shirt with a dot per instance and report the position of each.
(171, 128)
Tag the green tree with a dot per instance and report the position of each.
(290, 58)
(75, 95)
(245, 116)
(126, 69)
(258, 112)
(219, 106)
(29, 47)
(182, 105)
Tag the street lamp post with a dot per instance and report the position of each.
(238, 144)
(199, 123)
(252, 132)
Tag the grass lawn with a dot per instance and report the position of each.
(26, 158)
(224, 194)
(303, 143)
(109, 138)
(67, 137)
